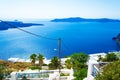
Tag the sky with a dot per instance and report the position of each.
(45, 9)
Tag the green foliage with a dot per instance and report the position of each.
(44, 65)
(78, 60)
(63, 74)
(45, 75)
(24, 78)
(40, 58)
(2, 70)
(80, 57)
(111, 57)
(33, 58)
(100, 58)
(110, 72)
(117, 54)
(68, 63)
(34, 67)
(54, 63)
(80, 74)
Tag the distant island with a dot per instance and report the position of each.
(78, 19)
(5, 25)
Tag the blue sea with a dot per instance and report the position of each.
(87, 37)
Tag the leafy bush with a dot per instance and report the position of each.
(78, 60)
(2, 68)
(68, 64)
(35, 67)
(44, 65)
(54, 63)
(110, 72)
(64, 74)
(80, 74)
(109, 57)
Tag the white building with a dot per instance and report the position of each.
(93, 66)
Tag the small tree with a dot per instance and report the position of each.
(111, 57)
(33, 58)
(54, 63)
(100, 58)
(40, 58)
(80, 74)
(110, 72)
(78, 63)
(68, 63)
(78, 60)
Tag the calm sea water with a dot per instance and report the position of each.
(77, 37)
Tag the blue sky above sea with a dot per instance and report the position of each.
(46, 9)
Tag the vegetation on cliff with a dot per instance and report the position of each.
(110, 72)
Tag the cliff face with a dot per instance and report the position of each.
(15, 66)
(5, 25)
(117, 38)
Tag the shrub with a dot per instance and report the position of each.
(110, 72)
(35, 67)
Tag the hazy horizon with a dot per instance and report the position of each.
(49, 9)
